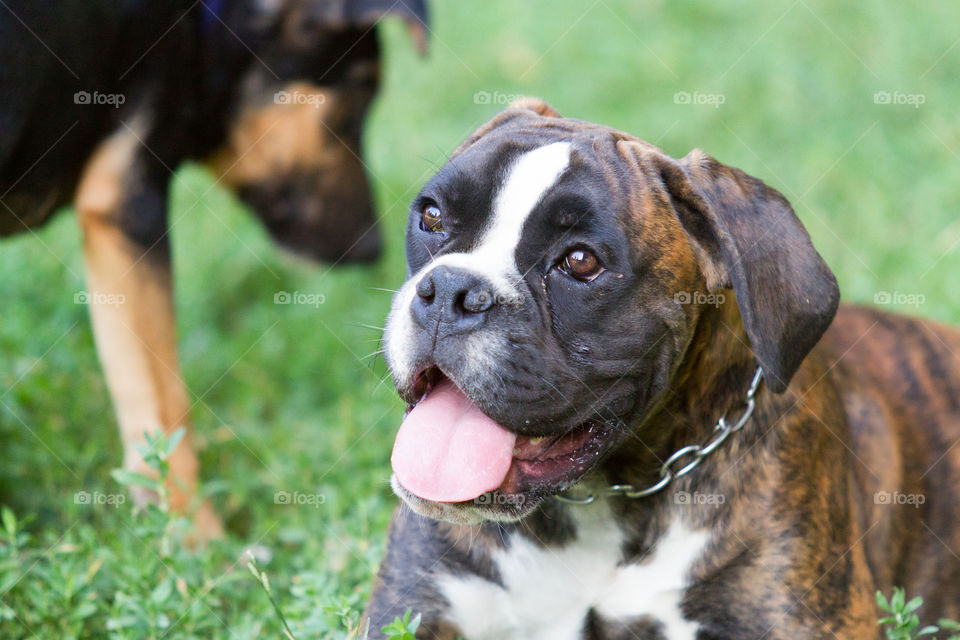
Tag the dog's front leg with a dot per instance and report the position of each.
(121, 204)
(416, 554)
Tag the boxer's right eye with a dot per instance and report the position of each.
(582, 264)
(430, 219)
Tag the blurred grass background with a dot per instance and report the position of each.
(286, 399)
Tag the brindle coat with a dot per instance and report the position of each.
(804, 537)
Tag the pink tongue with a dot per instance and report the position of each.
(447, 450)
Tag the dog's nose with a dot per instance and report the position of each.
(454, 297)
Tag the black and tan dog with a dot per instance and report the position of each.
(102, 100)
(584, 317)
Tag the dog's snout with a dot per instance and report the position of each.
(425, 289)
(454, 297)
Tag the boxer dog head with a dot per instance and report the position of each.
(540, 319)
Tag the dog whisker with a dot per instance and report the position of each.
(379, 384)
(368, 326)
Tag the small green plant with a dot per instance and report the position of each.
(399, 629)
(903, 621)
(156, 516)
(403, 628)
(261, 577)
(155, 452)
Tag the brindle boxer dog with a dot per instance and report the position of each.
(585, 317)
(102, 100)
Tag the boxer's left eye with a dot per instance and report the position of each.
(582, 265)
(430, 219)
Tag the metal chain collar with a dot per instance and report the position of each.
(696, 453)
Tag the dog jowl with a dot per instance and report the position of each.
(580, 311)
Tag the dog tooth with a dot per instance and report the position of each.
(537, 440)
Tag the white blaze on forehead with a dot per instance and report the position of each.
(526, 181)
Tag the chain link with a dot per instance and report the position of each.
(695, 452)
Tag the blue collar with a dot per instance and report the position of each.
(210, 12)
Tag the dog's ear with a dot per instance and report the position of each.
(747, 237)
(369, 12)
(536, 105)
(517, 108)
(348, 13)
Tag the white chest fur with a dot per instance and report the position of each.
(547, 592)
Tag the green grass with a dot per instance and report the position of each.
(902, 622)
(285, 399)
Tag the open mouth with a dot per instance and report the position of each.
(447, 450)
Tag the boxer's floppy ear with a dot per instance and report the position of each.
(519, 107)
(536, 105)
(747, 237)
